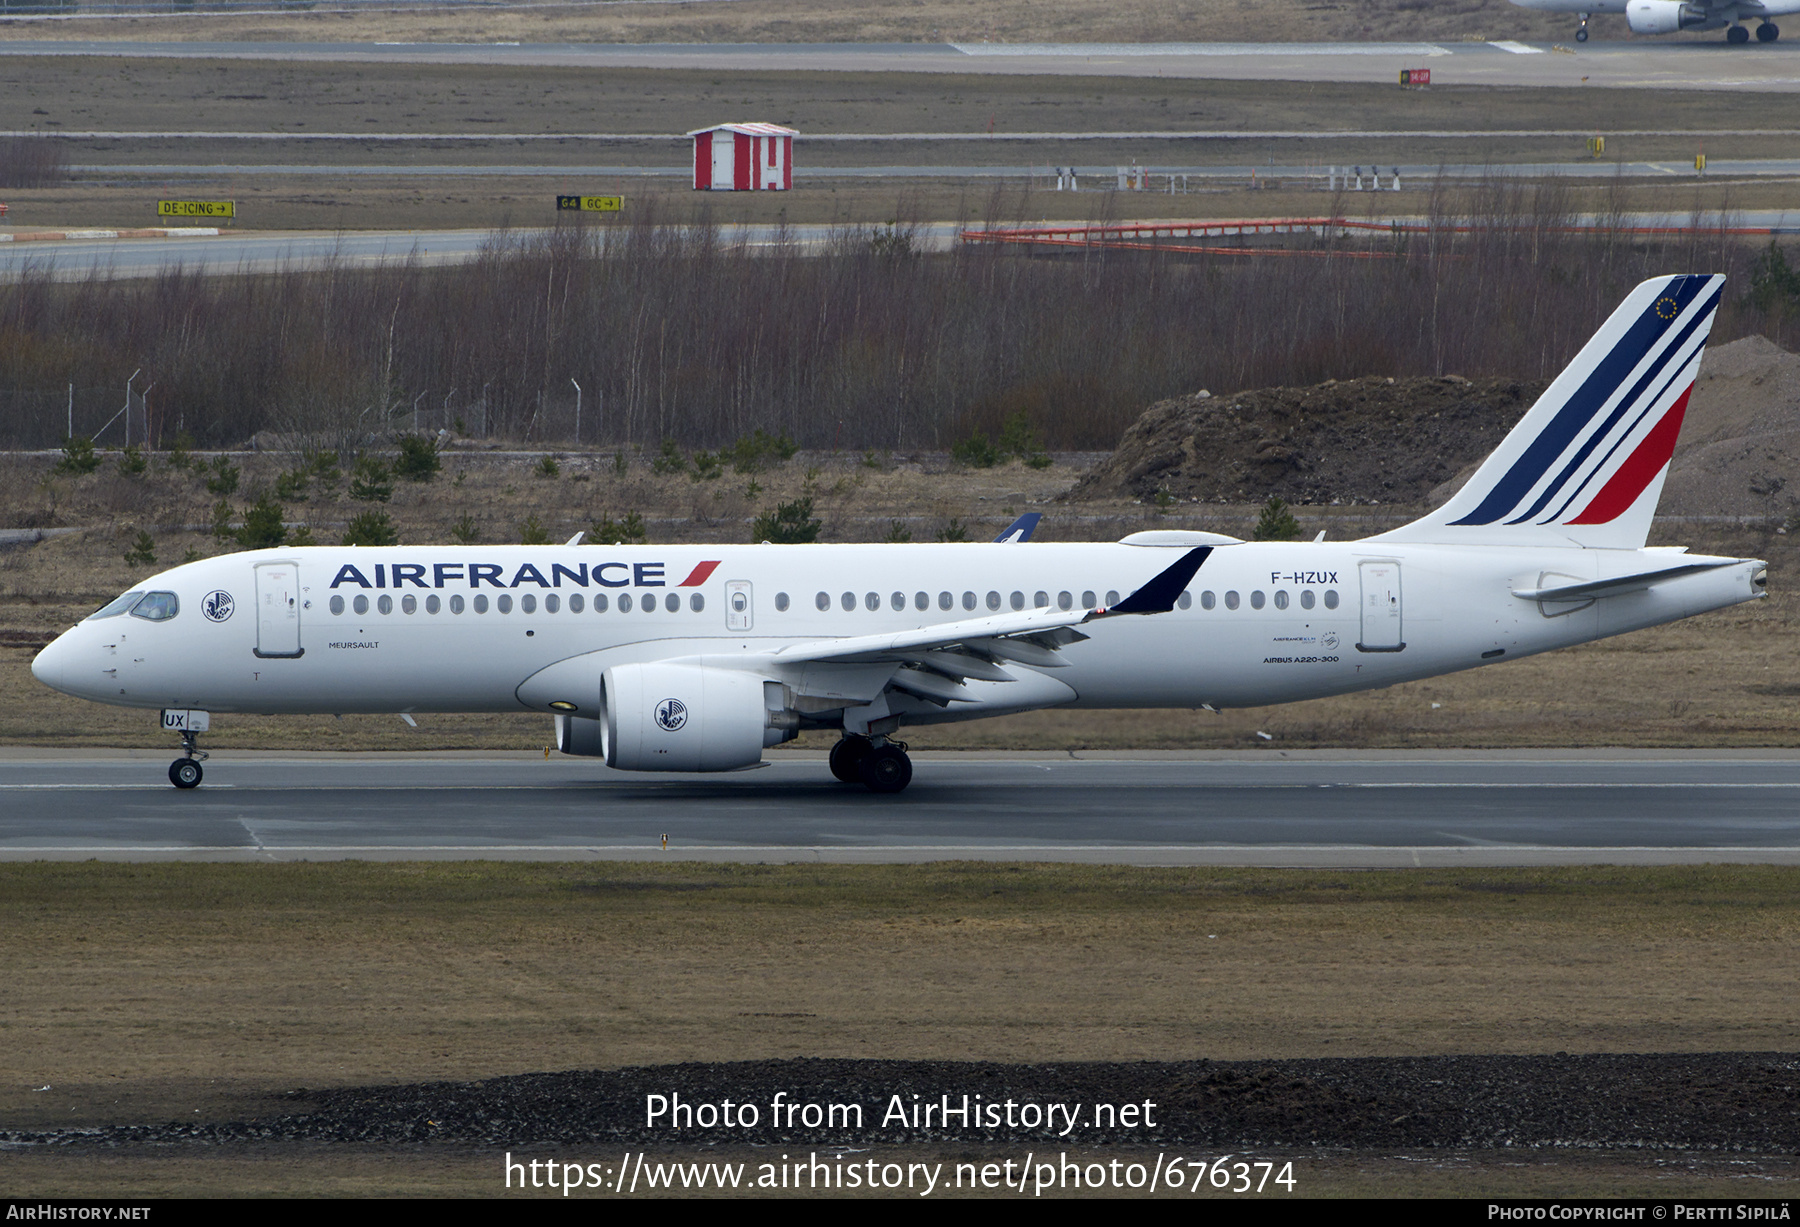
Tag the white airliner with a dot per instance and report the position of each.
(1668, 16)
(698, 657)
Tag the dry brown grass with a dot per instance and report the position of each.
(838, 21)
(1723, 679)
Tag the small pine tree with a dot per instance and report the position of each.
(263, 529)
(221, 521)
(898, 533)
(224, 479)
(142, 552)
(132, 462)
(373, 482)
(78, 456)
(531, 532)
(466, 530)
(789, 524)
(1276, 523)
(371, 528)
(418, 459)
(954, 531)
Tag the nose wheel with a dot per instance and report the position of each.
(186, 772)
(1581, 30)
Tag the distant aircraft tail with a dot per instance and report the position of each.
(1585, 466)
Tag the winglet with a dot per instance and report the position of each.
(1020, 530)
(1160, 593)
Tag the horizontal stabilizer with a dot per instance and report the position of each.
(1621, 584)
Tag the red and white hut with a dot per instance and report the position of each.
(744, 158)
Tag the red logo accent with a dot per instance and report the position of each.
(700, 575)
(1639, 469)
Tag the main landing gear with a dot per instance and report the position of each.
(185, 771)
(1581, 30)
(1736, 35)
(1767, 32)
(878, 764)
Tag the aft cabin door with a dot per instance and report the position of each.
(1380, 608)
(737, 605)
(277, 609)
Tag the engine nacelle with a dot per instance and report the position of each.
(669, 717)
(1667, 16)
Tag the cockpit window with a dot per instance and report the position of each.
(117, 607)
(157, 607)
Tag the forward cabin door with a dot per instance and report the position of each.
(737, 605)
(1381, 630)
(277, 609)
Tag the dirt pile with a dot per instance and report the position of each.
(1739, 453)
(1368, 440)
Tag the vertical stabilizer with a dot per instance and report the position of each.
(1585, 466)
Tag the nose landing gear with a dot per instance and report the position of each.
(185, 772)
(1581, 30)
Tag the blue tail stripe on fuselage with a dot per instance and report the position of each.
(1659, 368)
(1594, 392)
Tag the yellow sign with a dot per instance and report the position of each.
(1597, 146)
(591, 204)
(1700, 163)
(196, 208)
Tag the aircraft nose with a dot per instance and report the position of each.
(49, 665)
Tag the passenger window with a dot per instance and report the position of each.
(1112, 598)
(1257, 599)
(337, 603)
(432, 604)
(118, 606)
(1231, 600)
(649, 603)
(1331, 600)
(1208, 600)
(848, 601)
(1184, 601)
(456, 604)
(1065, 601)
(898, 600)
(946, 601)
(552, 603)
(781, 602)
(921, 601)
(503, 602)
(1018, 600)
(822, 601)
(361, 604)
(993, 600)
(672, 602)
(696, 602)
(409, 604)
(1306, 598)
(872, 601)
(527, 604)
(600, 602)
(385, 603)
(157, 607)
(1281, 599)
(481, 603)
(1088, 601)
(575, 603)
(968, 600)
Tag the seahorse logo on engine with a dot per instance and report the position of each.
(671, 714)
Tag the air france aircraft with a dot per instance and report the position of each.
(1668, 16)
(689, 658)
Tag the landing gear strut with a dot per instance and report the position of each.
(1581, 30)
(185, 771)
(878, 764)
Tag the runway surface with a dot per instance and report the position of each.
(1711, 65)
(1342, 810)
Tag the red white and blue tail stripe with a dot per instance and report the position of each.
(1586, 465)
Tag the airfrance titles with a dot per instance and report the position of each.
(493, 574)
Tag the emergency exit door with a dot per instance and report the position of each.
(1381, 612)
(277, 609)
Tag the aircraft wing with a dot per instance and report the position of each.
(981, 647)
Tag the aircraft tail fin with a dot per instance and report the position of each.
(1585, 465)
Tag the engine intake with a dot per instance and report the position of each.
(1667, 16)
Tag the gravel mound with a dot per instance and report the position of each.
(1740, 443)
(1706, 1101)
(1370, 440)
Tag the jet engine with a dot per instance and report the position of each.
(1667, 16)
(675, 717)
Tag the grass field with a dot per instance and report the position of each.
(164, 992)
(846, 21)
